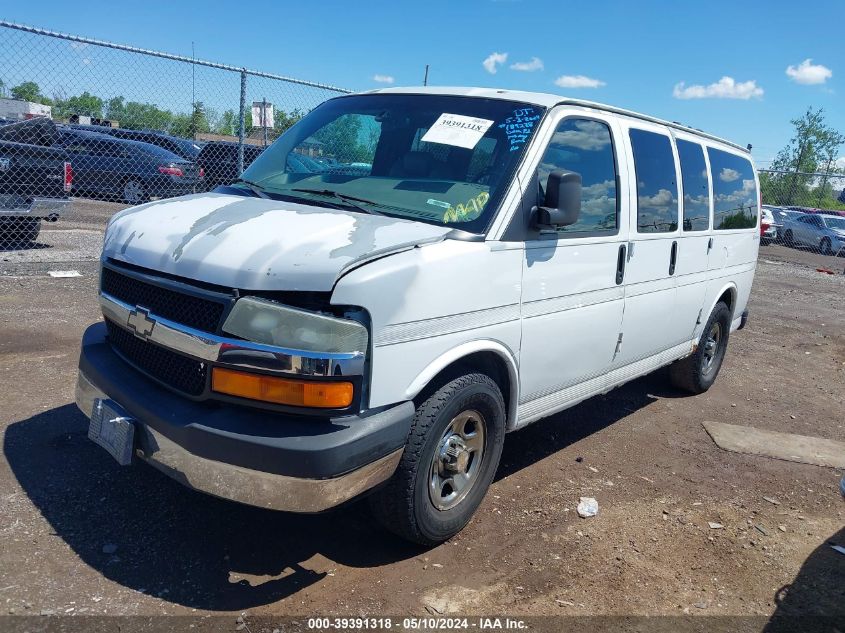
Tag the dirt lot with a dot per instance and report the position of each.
(82, 535)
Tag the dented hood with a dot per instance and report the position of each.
(256, 244)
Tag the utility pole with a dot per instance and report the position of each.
(425, 79)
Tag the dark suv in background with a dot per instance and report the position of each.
(219, 161)
(130, 170)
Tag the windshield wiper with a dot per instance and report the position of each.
(254, 188)
(350, 200)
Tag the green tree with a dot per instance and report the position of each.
(227, 123)
(29, 91)
(814, 146)
(199, 120)
(139, 116)
(285, 120)
(347, 140)
(85, 104)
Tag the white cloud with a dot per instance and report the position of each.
(78, 45)
(528, 67)
(728, 175)
(578, 81)
(663, 199)
(383, 79)
(493, 60)
(809, 73)
(725, 88)
(588, 135)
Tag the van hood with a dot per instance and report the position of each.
(254, 243)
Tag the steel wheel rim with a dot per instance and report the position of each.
(711, 346)
(132, 191)
(457, 460)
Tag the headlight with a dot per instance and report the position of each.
(270, 323)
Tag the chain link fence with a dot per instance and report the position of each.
(804, 210)
(88, 127)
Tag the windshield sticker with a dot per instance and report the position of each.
(438, 203)
(457, 130)
(518, 126)
(467, 211)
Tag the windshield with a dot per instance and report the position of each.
(835, 223)
(444, 160)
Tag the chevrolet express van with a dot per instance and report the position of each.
(449, 266)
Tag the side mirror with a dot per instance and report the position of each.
(562, 205)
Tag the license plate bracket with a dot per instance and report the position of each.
(113, 430)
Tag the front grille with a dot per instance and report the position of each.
(196, 312)
(176, 371)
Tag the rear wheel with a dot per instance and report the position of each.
(19, 232)
(450, 459)
(697, 373)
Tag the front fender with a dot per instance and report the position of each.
(462, 351)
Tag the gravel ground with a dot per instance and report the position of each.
(82, 535)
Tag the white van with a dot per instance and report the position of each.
(404, 277)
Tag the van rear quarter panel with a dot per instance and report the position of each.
(733, 259)
(425, 302)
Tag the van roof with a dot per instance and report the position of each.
(546, 100)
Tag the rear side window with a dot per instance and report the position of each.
(734, 191)
(695, 188)
(657, 182)
(585, 147)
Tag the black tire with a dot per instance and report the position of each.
(19, 232)
(697, 373)
(405, 505)
(134, 192)
(824, 246)
(787, 238)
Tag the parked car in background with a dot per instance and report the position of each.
(219, 161)
(131, 170)
(186, 148)
(781, 216)
(820, 231)
(768, 231)
(35, 180)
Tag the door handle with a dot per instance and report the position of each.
(673, 258)
(620, 265)
(709, 244)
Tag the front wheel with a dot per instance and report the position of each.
(787, 238)
(450, 459)
(697, 373)
(824, 246)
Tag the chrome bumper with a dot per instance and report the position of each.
(255, 488)
(47, 208)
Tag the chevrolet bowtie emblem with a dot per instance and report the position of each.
(140, 322)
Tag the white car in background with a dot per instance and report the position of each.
(768, 228)
(819, 231)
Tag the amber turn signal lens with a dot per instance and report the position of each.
(297, 393)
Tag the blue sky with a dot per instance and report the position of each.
(661, 58)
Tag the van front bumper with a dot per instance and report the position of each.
(255, 457)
